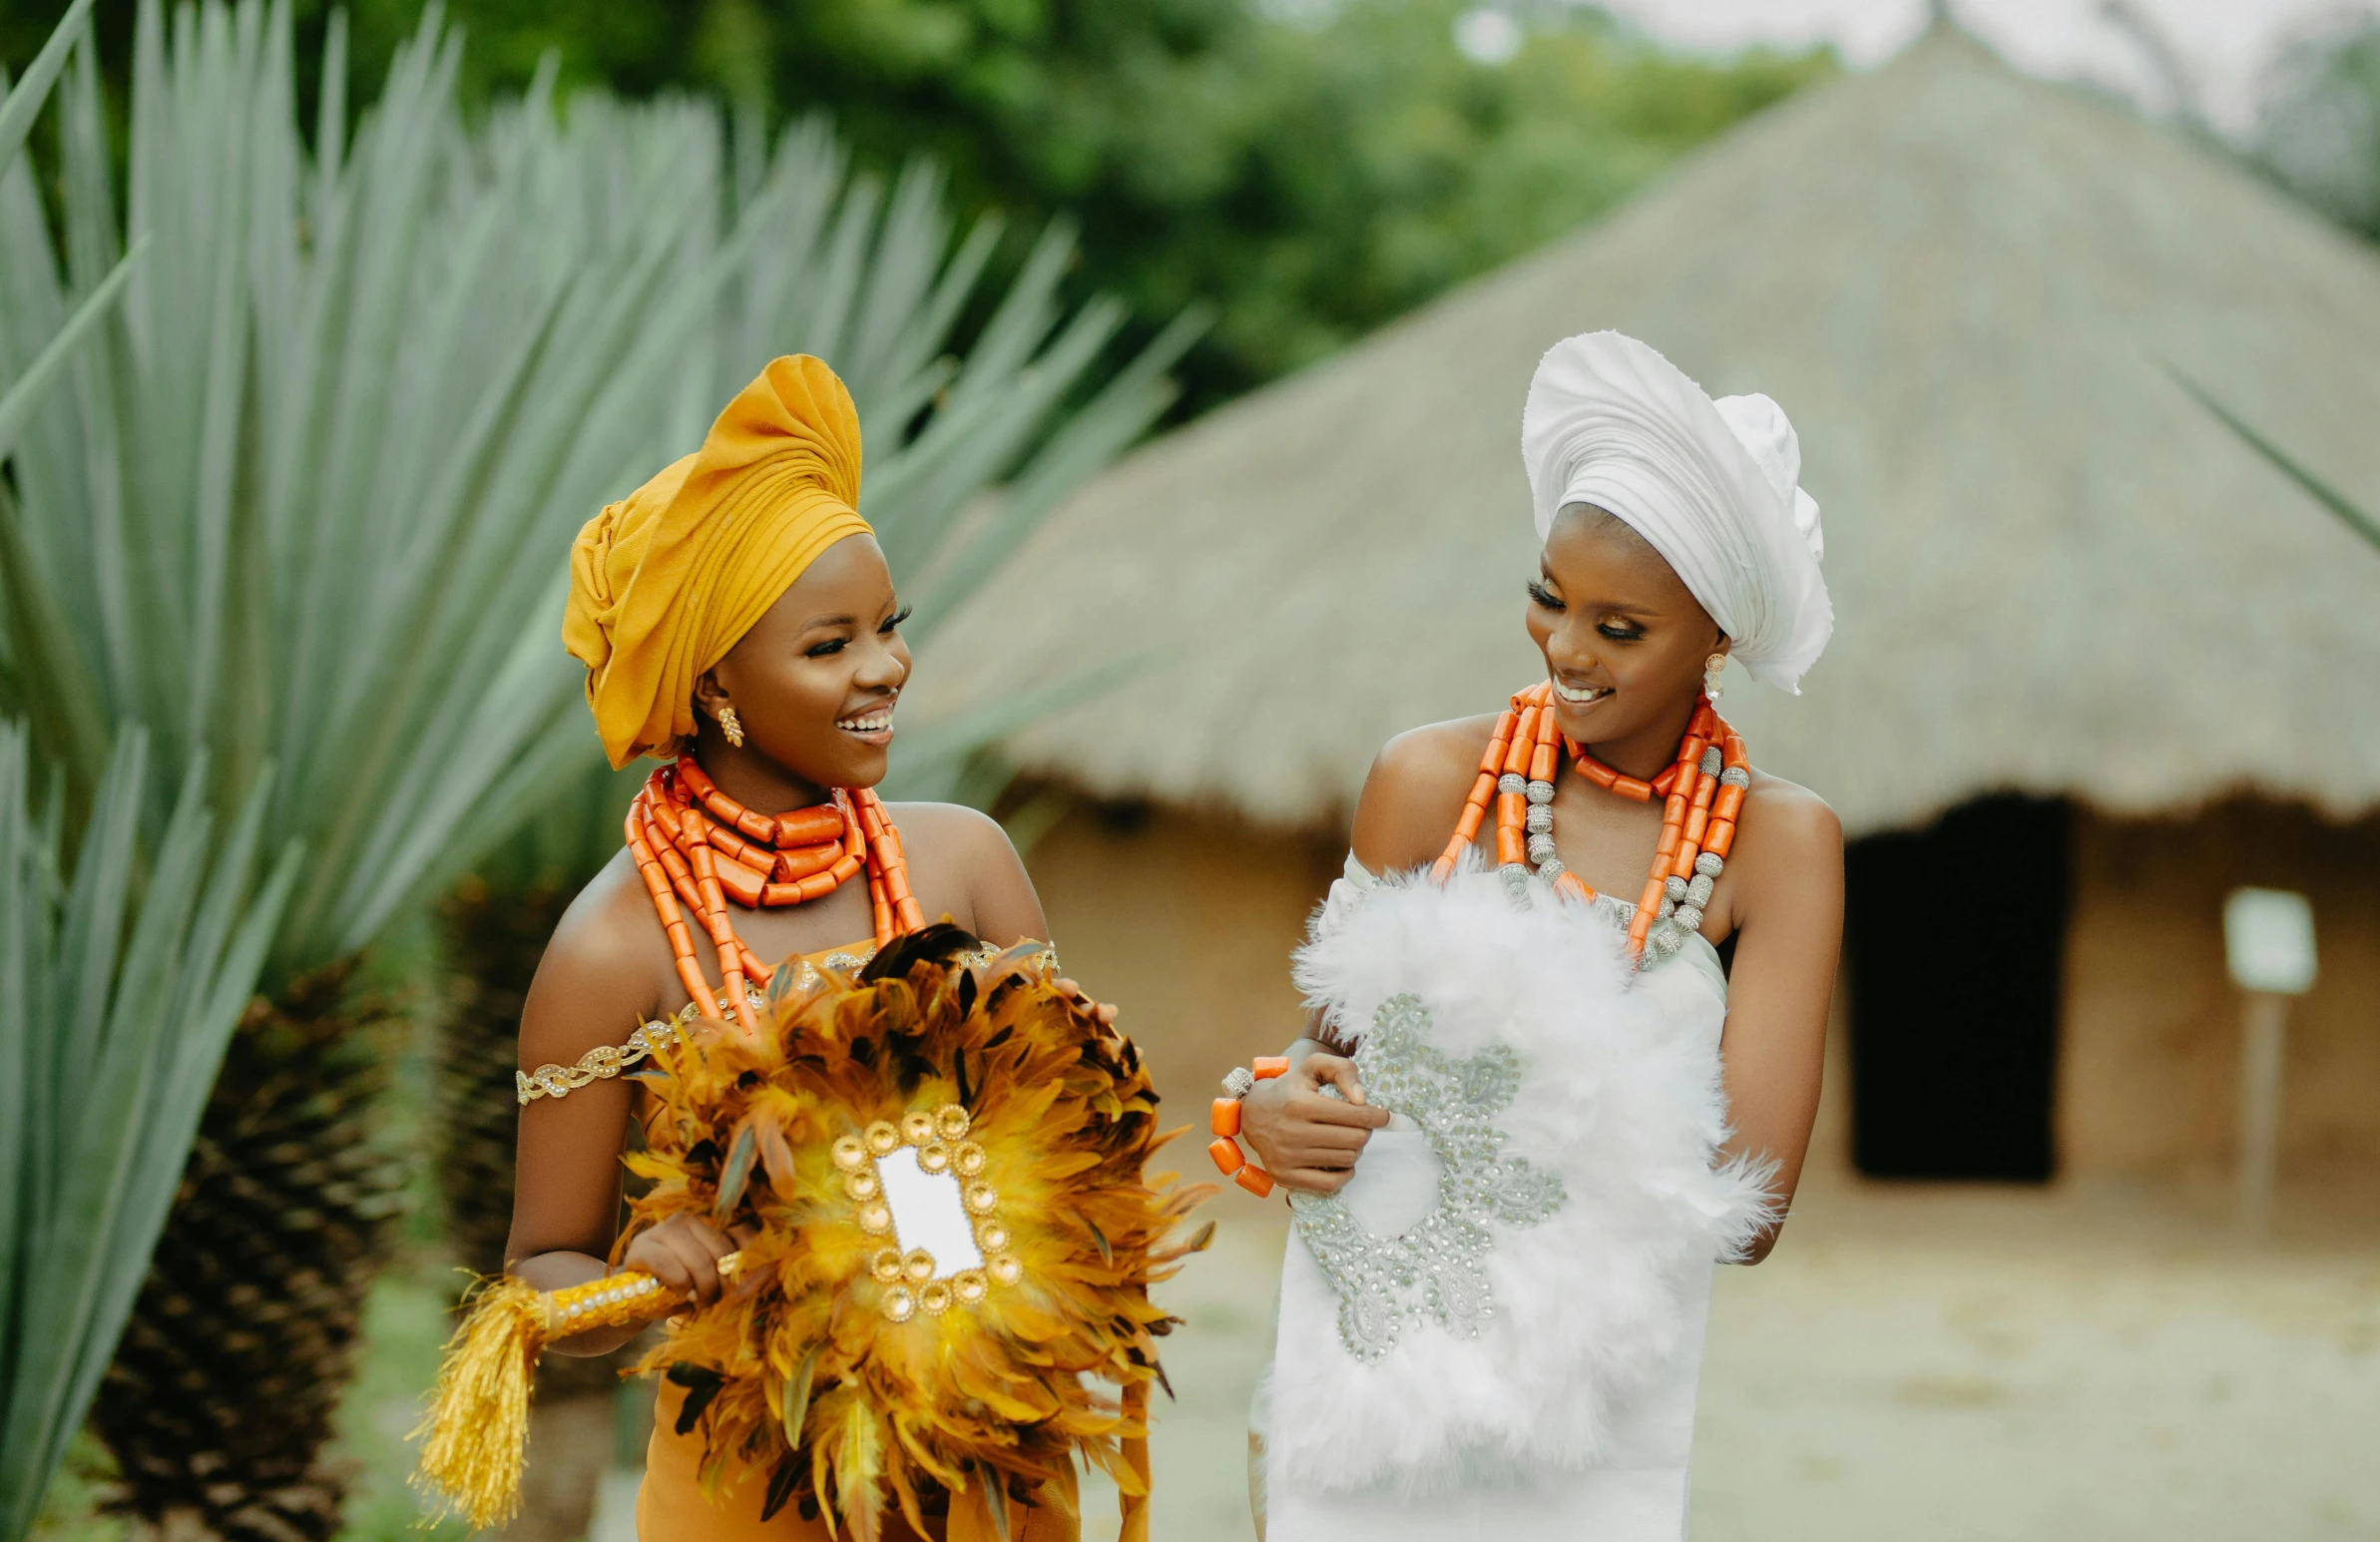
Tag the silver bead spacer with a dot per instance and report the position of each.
(1735, 777)
(1664, 940)
(1712, 760)
(1551, 868)
(1512, 782)
(1621, 911)
(1708, 865)
(1697, 894)
(1516, 881)
(1673, 887)
(1240, 1082)
(1667, 909)
(1540, 821)
(1541, 849)
(1689, 918)
(1541, 793)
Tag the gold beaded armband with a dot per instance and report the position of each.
(599, 1064)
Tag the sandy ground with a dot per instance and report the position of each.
(1946, 1365)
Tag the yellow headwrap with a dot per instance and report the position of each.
(664, 582)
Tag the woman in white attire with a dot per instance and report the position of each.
(1531, 1121)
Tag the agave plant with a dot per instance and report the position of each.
(302, 498)
(120, 982)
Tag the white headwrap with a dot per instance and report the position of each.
(1712, 485)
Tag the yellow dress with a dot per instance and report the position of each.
(671, 1505)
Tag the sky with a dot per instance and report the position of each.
(2225, 47)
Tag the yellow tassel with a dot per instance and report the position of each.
(1136, 1457)
(475, 1432)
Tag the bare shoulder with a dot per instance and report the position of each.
(1414, 792)
(1788, 843)
(600, 974)
(1791, 817)
(963, 865)
(954, 838)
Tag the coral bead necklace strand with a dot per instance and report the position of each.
(694, 844)
(1701, 795)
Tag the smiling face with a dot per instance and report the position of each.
(1625, 640)
(812, 683)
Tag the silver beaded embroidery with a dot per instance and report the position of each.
(1438, 1268)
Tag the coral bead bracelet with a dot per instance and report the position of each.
(1228, 1157)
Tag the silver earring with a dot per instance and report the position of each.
(730, 725)
(1712, 667)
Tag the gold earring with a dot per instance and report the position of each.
(730, 725)
(1711, 669)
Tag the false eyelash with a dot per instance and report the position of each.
(1544, 596)
(894, 621)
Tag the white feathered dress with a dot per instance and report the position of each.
(1495, 1330)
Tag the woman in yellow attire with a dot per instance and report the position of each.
(734, 612)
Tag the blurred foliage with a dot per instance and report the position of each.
(1315, 165)
(2319, 132)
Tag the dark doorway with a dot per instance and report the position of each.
(1955, 938)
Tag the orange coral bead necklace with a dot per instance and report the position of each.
(1702, 793)
(694, 844)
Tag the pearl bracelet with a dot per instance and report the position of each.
(1229, 1159)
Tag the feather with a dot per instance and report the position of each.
(735, 1176)
(808, 1379)
(858, 1463)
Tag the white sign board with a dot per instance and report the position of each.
(2269, 940)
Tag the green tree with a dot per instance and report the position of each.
(1314, 167)
(2319, 132)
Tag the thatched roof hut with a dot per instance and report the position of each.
(2054, 569)
(2055, 573)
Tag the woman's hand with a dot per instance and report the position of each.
(1303, 1137)
(1104, 1011)
(682, 1252)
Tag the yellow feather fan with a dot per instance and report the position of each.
(847, 1362)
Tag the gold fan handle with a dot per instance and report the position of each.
(616, 1301)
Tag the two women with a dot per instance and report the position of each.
(1531, 1113)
